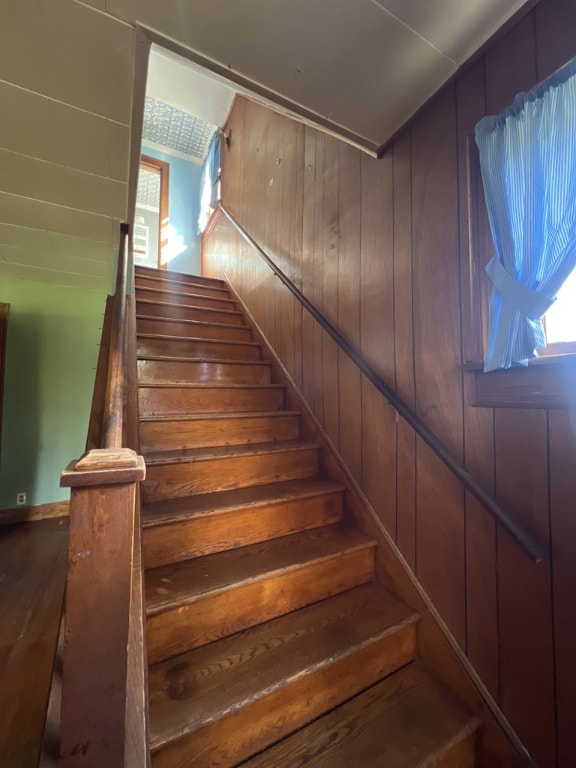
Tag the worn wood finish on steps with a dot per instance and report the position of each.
(208, 429)
(153, 345)
(181, 296)
(406, 721)
(173, 399)
(261, 610)
(203, 470)
(178, 529)
(168, 370)
(186, 312)
(192, 329)
(217, 704)
(178, 278)
(191, 603)
(214, 291)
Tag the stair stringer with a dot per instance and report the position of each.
(437, 648)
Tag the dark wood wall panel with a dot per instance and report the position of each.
(404, 348)
(525, 610)
(376, 238)
(562, 457)
(480, 529)
(330, 288)
(436, 312)
(318, 283)
(349, 383)
(382, 247)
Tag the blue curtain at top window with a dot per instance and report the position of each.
(528, 162)
(210, 180)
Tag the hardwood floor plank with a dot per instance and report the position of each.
(33, 559)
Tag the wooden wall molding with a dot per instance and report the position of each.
(34, 512)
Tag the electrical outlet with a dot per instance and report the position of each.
(20, 499)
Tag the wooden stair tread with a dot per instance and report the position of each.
(206, 385)
(172, 510)
(154, 458)
(174, 274)
(186, 339)
(196, 688)
(169, 292)
(191, 323)
(207, 361)
(215, 416)
(180, 278)
(186, 306)
(405, 721)
(181, 583)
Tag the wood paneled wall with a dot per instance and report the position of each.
(380, 247)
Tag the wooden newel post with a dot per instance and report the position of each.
(98, 593)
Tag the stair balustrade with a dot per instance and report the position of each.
(104, 709)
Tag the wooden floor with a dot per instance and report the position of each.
(32, 575)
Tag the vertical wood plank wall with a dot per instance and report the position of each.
(378, 246)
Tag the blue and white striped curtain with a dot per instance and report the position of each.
(210, 181)
(528, 162)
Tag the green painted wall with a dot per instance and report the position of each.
(52, 349)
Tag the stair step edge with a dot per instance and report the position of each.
(163, 319)
(207, 385)
(276, 495)
(204, 360)
(175, 305)
(282, 681)
(219, 416)
(459, 726)
(196, 339)
(191, 455)
(158, 604)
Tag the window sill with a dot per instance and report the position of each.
(547, 382)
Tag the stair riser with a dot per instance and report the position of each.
(208, 432)
(205, 535)
(178, 277)
(173, 285)
(205, 349)
(201, 372)
(213, 616)
(191, 330)
(175, 312)
(233, 739)
(461, 755)
(224, 474)
(160, 401)
(190, 299)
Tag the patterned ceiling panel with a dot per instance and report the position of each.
(148, 192)
(175, 129)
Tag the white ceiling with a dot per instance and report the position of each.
(360, 67)
(182, 84)
(364, 66)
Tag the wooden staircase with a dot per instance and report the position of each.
(270, 643)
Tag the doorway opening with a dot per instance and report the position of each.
(151, 217)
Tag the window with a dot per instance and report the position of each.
(528, 178)
(560, 321)
(528, 164)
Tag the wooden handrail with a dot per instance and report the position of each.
(523, 537)
(104, 705)
(115, 386)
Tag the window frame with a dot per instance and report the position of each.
(545, 381)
